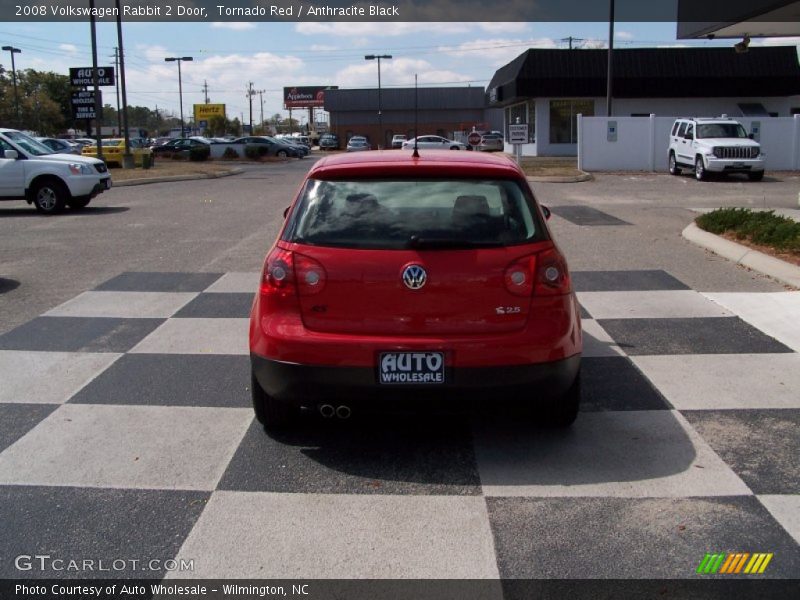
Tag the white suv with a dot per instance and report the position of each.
(719, 145)
(31, 171)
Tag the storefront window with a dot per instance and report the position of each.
(564, 119)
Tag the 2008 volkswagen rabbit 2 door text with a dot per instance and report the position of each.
(403, 277)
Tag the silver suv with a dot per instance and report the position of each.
(718, 145)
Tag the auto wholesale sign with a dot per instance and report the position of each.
(306, 96)
(203, 112)
(83, 76)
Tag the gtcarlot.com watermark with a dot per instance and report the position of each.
(45, 563)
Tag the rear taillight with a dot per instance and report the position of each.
(519, 276)
(552, 274)
(287, 274)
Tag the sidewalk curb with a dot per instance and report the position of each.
(753, 259)
(584, 176)
(170, 178)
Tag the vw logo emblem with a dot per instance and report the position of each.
(414, 276)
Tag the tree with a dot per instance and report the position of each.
(217, 126)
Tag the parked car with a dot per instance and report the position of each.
(422, 278)
(397, 140)
(491, 142)
(31, 172)
(177, 145)
(114, 149)
(60, 146)
(434, 142)
(358, 143)
(275, 147)
(305, 149)
(329, 141)
(718, 145)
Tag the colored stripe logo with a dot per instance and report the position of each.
(734, 563)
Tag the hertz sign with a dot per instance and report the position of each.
(203, 112)
(305, 96)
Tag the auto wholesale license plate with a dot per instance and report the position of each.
(416, 368)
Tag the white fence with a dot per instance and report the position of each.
(641, 142)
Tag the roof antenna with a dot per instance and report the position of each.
(416, 119)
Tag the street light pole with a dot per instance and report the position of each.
(380, 115)
(14, 51)
(180, 59)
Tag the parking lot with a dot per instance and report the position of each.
(125, 419)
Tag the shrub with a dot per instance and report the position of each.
(760, 227)
(230, 153)
(199, 153)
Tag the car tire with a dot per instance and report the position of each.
(674, 169)
(700, 169)
(271, 413)
(49, 196)
(281, 154)
(563, 411)
(756, 176)
(454, 148)
(79, 203)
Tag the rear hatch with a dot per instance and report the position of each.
(415, 257)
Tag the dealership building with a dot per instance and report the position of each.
(548, 88)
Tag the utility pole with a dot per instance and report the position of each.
(610, 76)
(14, 51)
(98, 105)
(250, 93)
(127, 157)
(571, 39)
(116, 84)
(205, 90)
(261, 98)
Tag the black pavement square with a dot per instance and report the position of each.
(171, 380)
(584, 313)
(625, 281)
(18, 419)
(705, 335)
(371, 455)
(217, 305)
(109, 524)
(78, 334)
(146, 281)
(586, 215)
(614, 383)
(648, 538)
(761, 446)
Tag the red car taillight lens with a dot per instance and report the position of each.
(278, 276)
(519, 276)
(552, 274)
(310, 274)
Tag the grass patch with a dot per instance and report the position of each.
(543, 166)
(763, 228)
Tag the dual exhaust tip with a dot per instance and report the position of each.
(328, 411)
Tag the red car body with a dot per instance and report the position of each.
(333, 322)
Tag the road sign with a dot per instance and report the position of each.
(474, 138)
(518, 133)
(83, 104)
(82, 76)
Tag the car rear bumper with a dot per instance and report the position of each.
(307, 385)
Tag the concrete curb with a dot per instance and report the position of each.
(753, 259)
(170, 178)
(584, 176)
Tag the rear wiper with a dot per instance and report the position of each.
(417, 242)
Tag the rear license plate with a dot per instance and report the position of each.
(415, 368)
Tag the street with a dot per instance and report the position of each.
(125, 419)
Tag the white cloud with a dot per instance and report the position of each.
(496, 51)
(398, 72)
(323, 48)
(358, 29)
(623, 35)
(234, 25)
(503, 27)
(773, 41)
(69, 48)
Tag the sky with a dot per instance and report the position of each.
(273, 55)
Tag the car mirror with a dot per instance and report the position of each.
(11, 154)
(752, 136)
(546, 212)
(286, 211)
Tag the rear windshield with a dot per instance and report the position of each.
(405, 214)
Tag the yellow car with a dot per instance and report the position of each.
(114, 148)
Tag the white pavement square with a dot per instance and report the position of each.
(197, 336)
(132, 305)
(632, 454)
(776, 314)
(135, 447)
(322, 536)
(659, 304)
(725, 381)
(596, 341)
(786, 511)
(236, 283)
(48, 377)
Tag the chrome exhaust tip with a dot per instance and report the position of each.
(327, 411)
(343, 412)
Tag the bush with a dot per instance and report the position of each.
(760, 227)
(199, 153)
(230, 153)
(255, 151)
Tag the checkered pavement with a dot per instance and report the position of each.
(126, 432)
